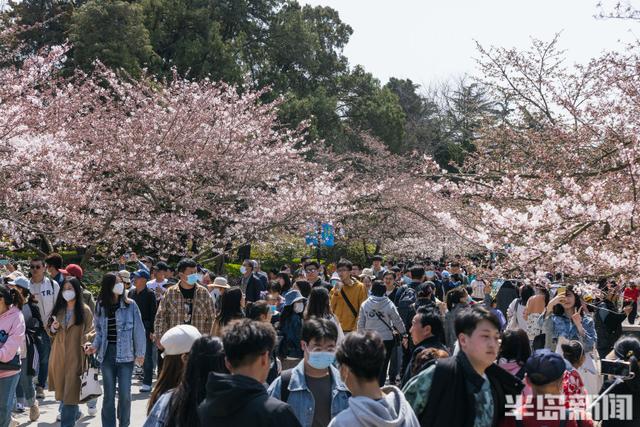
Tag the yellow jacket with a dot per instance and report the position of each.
(357, 294)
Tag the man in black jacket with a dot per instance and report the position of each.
(469, 380)
(146, 302)
(426, 331)
(240, 399)
(249, 283)
(312, 268)
(608, 321)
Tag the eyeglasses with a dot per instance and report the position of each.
(35, 267)
(344, 270)
(311, 270)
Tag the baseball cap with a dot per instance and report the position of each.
(445, 273)
(544, 366)
(21, 281)
(141, 273)
(179, 340)
(74, 270)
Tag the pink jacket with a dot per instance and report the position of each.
(11, 324)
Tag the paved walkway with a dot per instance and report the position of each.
(49, 411)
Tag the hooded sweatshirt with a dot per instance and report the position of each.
(11, 336)
(239, 401)
(376, 308)
(391, 411)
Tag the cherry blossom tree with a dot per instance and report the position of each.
(102, 163)
(556, 185)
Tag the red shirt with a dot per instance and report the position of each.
(631, 294)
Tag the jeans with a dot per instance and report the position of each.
(69, 415)
(121, 373)
(26, 391)
(388, 346)
(7, 398)
(44, 348)
(394, 364)
(148, 363)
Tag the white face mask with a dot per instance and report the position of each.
(69, 295)
(298, 307)
(118, 288)
(243, 269)
(216, 293)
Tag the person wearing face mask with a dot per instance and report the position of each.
(313, 387)
(217, 289)
(290, 328)
(250, 284)
(145, 298)
(186, 303)
(360, 357)
(120, 340)
(71, 328)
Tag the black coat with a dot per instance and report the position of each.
(450, 389)
(431, 342)
(254, 287)
(239, 401)
(146, 302)
(609, 329)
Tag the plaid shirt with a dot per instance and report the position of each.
(172, 311)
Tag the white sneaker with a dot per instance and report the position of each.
(92, 411)
(145, 388)
(59, 416)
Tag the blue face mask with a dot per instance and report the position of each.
(321, 359)
(192, 279)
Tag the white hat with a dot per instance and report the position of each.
(179, 339)
(125, 276)
(367, 272)
(221, 282)
(14, 275)
(21, 281)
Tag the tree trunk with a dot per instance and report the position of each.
(364, 246)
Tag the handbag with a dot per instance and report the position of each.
(89, 383)
(12, 365)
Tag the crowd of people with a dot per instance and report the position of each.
(422, 343)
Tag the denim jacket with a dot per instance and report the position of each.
(300, 397)
(159, 415)
(562, 326)
(131, 341)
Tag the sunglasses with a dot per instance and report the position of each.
(35, 267)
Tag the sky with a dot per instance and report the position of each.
(431, 41)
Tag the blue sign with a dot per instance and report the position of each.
(328, 235)
(311, 239)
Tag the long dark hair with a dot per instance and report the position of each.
(11, 297)
(558, 309)
(526, 292)
(170, 374)
(230, 305)
(61, 303)
(318, 304)
(206, 356)
(287, 282)
(515, 346)
(106, 295)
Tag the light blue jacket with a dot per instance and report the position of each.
(159, 415)
(300, 397)
(131, 341)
